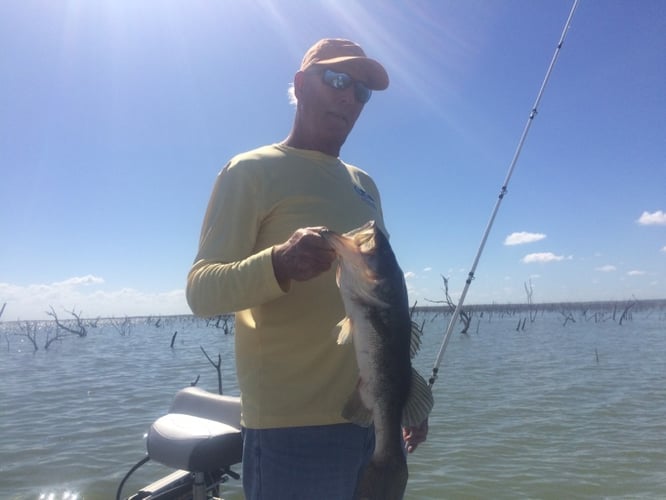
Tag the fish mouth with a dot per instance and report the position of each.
(337, 241)
(361, 239)
(344, 246)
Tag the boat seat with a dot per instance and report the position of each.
(200, 433)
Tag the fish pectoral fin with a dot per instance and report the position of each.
(338, 272)
(419, 402)
(356, 412)
(343, 330)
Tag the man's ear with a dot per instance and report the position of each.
(299, 82)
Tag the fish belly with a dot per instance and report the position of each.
(384, 380)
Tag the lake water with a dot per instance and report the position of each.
(554, 410)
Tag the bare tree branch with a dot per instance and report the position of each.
(568, 316)
(226, 327)
(465, 317)
(80, 329)
(123, 328)
(529, 291)
(626, 314)
(28, 330)
(217, 366)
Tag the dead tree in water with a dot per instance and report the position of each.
(218, 367)
(80, 329)
(529, 291)
(123, 328)
(465, 317)
(223, 321)
(28, 330)
(521, 324)
(568, 316)
(63, 330)
(626, 314)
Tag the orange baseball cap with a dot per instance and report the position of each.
(347, 56)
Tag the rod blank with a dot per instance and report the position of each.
(503, 191)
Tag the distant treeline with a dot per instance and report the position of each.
(638, 305)
(507, 309)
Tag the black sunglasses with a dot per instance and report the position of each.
(343, 81)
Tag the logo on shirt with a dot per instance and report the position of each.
(365, 196)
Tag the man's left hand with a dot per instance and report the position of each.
(413, 436)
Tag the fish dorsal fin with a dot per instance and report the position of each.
(415, 340)
(419, 402)
(343, 330)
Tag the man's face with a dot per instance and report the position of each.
(328, 113)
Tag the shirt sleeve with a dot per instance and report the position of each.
(228, 273)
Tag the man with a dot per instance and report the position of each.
(261, 256)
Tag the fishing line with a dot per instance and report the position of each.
(503, 191)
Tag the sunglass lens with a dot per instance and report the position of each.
(362, 92)
(342, 81)
(337, 80)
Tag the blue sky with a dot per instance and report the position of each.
(117, 115)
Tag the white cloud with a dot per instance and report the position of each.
(542, 257)
(523, 237)
(663, 249)
(657, 218)
(32, 301)
(636, 272)
(608, 268)
(89, 279)
(409, 275)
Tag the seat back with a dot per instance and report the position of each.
(199, 403)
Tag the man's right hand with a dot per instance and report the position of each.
(303, 256)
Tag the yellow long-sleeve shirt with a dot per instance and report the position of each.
(291, 371)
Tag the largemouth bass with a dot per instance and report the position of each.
(390, 393)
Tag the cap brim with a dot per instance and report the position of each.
(367, 70)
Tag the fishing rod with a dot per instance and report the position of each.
(503, 191)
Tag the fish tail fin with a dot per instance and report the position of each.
(419, 402)
(383, 480)
(355, 411)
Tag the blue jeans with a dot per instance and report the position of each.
(318, 462)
